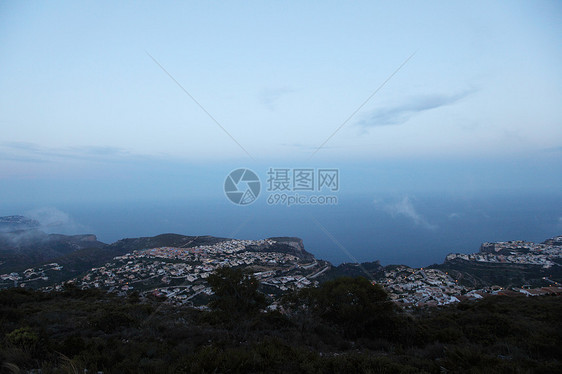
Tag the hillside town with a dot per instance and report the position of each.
(429, 287)
(178, 274)
(29, 276)
(410, 286)
(516, 252)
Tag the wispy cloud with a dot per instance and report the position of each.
(31, 152)
(405, 208)
(270, 96)
(54, 220)
(401, 113)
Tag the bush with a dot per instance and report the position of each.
(23, 337)
(354, 304)
(236, 294)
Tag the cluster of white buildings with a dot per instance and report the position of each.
(420, 287)
(410, 286)
(515, 252)
(28, 275)
(179, 274)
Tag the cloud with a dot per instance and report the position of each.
(401, 113)
(31, 152)
(53, 220)
(270, 96)
(103, 151)
(405, 208)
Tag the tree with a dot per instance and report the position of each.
(355, 304)
(235, 293)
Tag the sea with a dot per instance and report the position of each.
(415, 230)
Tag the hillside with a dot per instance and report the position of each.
(176, 266)
(25, 248)
(281, 257)
(164, 240)
(93, 331)
(481, 274)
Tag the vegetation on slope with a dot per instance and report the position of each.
(345, 325)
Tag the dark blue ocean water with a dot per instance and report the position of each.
(413, 230)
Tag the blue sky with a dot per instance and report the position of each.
(86, 113)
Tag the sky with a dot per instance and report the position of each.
(103, 101)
